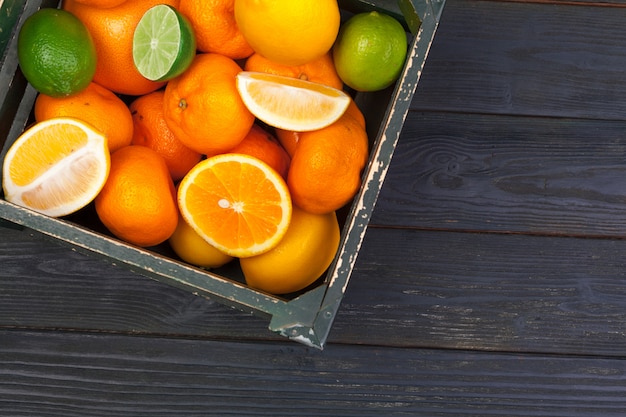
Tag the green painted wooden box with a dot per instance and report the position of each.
(305, 317)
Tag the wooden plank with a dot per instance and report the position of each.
(58, 374)
(45, 284)
(487, 291)
(410, 288)
(527, 58)
(507, 174)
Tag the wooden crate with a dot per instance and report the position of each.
(305, 317)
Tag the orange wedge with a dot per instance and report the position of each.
(56, 167)
(237, 203)
(291, 103)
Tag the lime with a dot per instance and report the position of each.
(163, 43)
(56, 52)
(370, 51)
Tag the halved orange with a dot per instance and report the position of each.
(56, 167)
(237, 203)
(291, 103)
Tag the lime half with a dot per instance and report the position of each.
(163, 43)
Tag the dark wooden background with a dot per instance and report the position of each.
(490, 283)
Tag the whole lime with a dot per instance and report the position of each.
(56, 52)
(370, 51)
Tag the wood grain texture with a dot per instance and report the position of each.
(46, 285)
(547, 59)
(51, 374)
(491, 282)
(507, 174)
(487, 292)
(431, 289)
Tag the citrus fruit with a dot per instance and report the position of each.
(325, 171)
(138, 201)
(263, 145)
(56, 52)
(237, 203)
(150, 129)
(215, 27)
(56, 167)
(288, 32)
(203, 107)
(191, 248)
(95, 105)
(289, 138)
(370, 51)
(320, 70)
(301, 257)
(163, 43)
(112, 30)
(290, 103)
(101, 3)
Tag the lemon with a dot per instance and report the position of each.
(291, 103)
(191, 248)
(301, 257)
(288, 32)
(370, 51)
(56, 167)
(56, 52)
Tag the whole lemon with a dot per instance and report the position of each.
(370, 51)
(56, 52)
(301, 257)
(191, 248)
(288, 32)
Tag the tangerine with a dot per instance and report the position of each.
(289, 138)
(264, 146)
(101, 3)
(150, 129)
(216, 30)
(325, 171)
(138, 201)
(203, 107)
(95, 105)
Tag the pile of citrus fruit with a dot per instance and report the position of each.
(222, 127)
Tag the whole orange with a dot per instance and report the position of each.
(216, 31)
(289, 138)
(325, 170)
(101, 3)
(138, 201)
(203, 107)
(320, 70)
(112, 31)
(95, 105)
(263, 145)
(150, 129)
